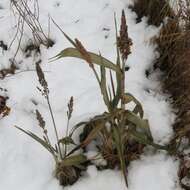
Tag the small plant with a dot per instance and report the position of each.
(68, 166)
(120, 133)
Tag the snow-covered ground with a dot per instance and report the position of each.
(24, 165)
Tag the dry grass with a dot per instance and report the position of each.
(174, 48)
(174, 61)
(8, 71)
(155, 10)
(25, 15)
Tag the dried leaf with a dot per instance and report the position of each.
(93, 134)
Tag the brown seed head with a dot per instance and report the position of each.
(83, 52)
(124, 42)
(70, 107)
(42, 79)
(40, 119)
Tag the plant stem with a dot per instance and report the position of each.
(123, 85)
(67, 131)
(54, 125)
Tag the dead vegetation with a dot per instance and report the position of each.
(174, 48)
(26, 14)
(155, 10)
(32, 49)
(4, 109)
(8, 71)
(3, 45)
(30, 17)
(174, 61)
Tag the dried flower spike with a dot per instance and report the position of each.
(124, 42)
(40, 119)
(83, 52)
(42, 79)
(70, 108)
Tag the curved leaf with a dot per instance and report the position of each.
(138, 108)
(141, 124)
(97, 59)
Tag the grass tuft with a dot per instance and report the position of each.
(120, 134)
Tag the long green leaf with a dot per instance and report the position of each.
(103, 85)
(141, 138)
(117, 97)
(73, 52)
(39, 140)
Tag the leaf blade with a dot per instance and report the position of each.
(73, 52)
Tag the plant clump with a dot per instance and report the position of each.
(120, 134)
(68, 166)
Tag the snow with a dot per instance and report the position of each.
(25, 165)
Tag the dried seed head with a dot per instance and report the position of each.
(124, 42)
(84, 52)
(40, 119)
(42, 79)
(70, 107)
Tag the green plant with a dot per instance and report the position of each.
(127, 130)
(68, 167)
